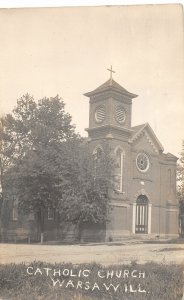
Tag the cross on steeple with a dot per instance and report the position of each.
(111, 71)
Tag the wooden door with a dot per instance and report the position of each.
(141, 224)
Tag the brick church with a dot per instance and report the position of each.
(146, 199)
(144, 202)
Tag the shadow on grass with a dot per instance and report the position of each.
(171, 249)
(172, 241)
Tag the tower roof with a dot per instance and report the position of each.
(111, 85)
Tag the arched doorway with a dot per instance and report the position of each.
(141, 221)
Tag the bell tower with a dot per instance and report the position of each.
(110, 111)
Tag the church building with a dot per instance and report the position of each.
(145, 202)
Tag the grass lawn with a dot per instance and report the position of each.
(45, 281)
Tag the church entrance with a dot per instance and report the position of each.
(141, 224)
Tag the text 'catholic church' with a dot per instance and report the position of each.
(146, 202)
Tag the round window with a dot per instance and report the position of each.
(100, 114)
(120, 114)
(142, 162)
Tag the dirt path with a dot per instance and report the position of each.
(104, 254)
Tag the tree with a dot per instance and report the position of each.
(50, 166)
(86, 192)
(180, 189)
(32, 136)
(4, 163)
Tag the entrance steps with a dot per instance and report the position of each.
(138, 239)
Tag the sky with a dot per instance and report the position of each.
(66, 51)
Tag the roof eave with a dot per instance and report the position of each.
(171, 156)
(161, 148)
(146, 125)
(95, 92)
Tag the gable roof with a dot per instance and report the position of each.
(171, 156)
(138, 130)
(111, 84)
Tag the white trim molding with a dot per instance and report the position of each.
(149, 217)
(141, 192)
(133, 217)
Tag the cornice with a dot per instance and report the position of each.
(109, 127)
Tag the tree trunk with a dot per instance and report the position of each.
(41, 239)
(79, 229)
(41, 225)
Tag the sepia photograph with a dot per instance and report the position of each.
(92, 153)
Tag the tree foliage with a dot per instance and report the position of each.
(85, 196)
(46, 164)
(34, 126)
(30, 138)
(180, 188)
(180, 175)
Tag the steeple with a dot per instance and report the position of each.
(110, 111)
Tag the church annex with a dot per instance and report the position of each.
(146, 200)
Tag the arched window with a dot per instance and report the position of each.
(119, 169)
(97, 153)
